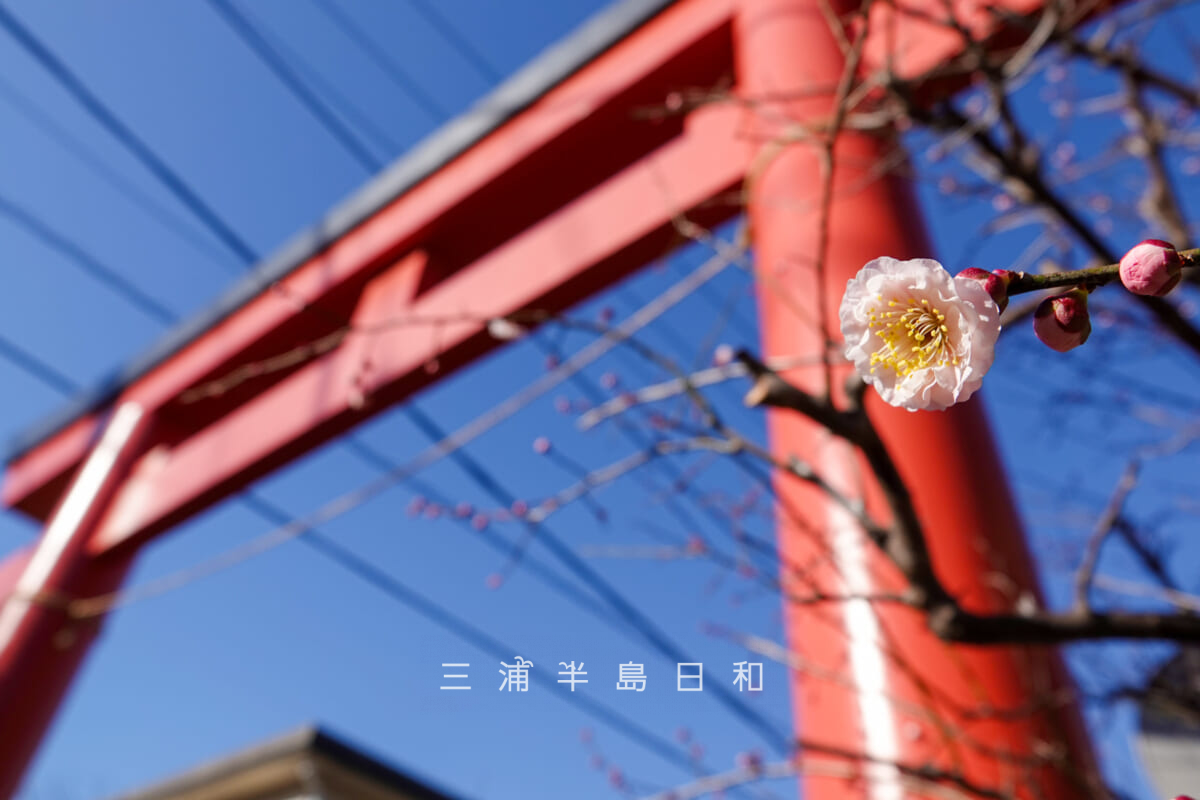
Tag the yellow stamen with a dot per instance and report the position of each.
(914, 336)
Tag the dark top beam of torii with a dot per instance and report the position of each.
(549, 190)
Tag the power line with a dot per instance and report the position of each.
(459, 42)
(626, 610)
(36, 367)
(656, 638)
(38, 228)
(396, 590)
(364, 452)
(100, 167)
(271, 57)
(102, 114)
(373, 457)
(327, 118)
(473, 469)
(442, 617)
(337, 98)
(492, 486)
(382, 60)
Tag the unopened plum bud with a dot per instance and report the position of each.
(1062, 322)
(750, 761)
(1153, 268)
(996, 283)
(541, 445)
(416, 506)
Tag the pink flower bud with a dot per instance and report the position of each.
(463, 510)
(750, 761)
(416, 506)
(494, 581)
(996, 283)
(1062, 322)
(541, 445)
(1153, 268)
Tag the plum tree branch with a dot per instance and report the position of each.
(905, 544)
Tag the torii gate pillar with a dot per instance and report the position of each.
(870, 679)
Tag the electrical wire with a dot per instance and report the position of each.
(246, 31)
(105, 116)
(99, 166)
(451, 34)
(252, 38)
(650, 633)
(438, 614)
(36, 367)
(389, 67)
(340, 100)
(397, 591)
(40, 230)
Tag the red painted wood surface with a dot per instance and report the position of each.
(870, 678)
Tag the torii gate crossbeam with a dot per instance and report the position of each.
(549, 191)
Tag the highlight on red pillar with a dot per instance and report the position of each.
(635, 399)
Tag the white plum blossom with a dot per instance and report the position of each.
(923, 338)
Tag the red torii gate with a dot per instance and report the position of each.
(548, 192)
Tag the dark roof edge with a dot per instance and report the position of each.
(553, 66)
(310, 739)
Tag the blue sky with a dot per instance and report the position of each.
(291, 638)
